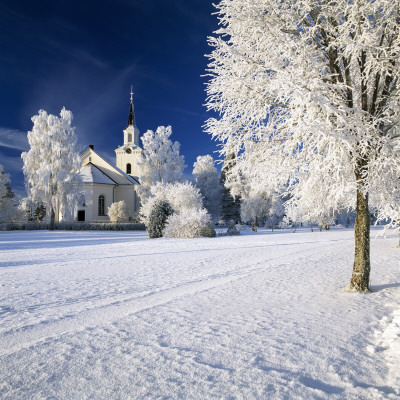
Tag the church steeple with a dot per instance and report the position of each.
(131, 118)
(131, 132)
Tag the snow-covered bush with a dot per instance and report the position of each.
(157, 218)
(179, 195)
(189, 223)
(118, 211)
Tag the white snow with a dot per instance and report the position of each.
(114, 315)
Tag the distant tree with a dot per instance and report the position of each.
(160, 162)
(254, 208)
(316, 83)
(118, 211)
(51, 165)
(230, 204)
(8, 208)
(207, 180)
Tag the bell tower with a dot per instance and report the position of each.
(129, 153)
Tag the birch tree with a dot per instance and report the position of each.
(316, 83)
(160, 162)
(52, 164)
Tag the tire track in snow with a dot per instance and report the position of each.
(28, 336)
(14, 341)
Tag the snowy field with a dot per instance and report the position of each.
(114, 315)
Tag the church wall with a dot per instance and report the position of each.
(92, 193)
(129, 196)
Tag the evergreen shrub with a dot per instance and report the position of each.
(158, 218)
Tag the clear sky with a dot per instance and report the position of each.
(85, 55)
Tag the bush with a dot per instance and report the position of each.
(178, 195)
(118, 211)
(189, 223)
(158, 218)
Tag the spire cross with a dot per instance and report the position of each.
(131, 94)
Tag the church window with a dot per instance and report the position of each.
(101, 205)
(128, 169)
(129, 137)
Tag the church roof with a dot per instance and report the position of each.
(114, 174)
(131, 118)
(90, 173)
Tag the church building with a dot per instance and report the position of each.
(104, 184)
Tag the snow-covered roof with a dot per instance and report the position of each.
(92, 174)
(116, 176)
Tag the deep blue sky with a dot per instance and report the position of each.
(85, 55)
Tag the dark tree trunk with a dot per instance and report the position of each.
(362, 266)
(52, 219)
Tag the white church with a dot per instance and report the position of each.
(104, 184)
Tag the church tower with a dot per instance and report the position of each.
(130, 152)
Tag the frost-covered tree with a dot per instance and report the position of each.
(8, 208)
(316, 83)
(51, 165)
(206, 178)
(117, 211)
(160, 162)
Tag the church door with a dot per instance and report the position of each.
(81, 215)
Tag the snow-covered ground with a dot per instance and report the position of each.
(114, 315)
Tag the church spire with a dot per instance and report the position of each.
(131, 118)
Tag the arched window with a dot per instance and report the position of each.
(129, 137)
(128, 169)
(101, 205)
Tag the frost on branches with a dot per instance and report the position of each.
(117, 211)
(52, 163)
(161, 161)
(316, 84)
(207, 180)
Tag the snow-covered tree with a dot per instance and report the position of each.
(179, 195)
(160, 162)
(207, 180)
(255, 209)
(117, 211)
(316, 83)
(51, 165)
(8, 208)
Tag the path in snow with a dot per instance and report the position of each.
(111, 315)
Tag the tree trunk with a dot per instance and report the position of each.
(362, 266)
(52, 219)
